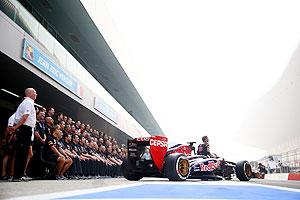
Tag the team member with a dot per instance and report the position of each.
(50, 112)
(77, 150)
(75, 169)
(261, 171)
(38, 167)
(61, 148)
(49, 124)
(53, 154)
(9, 149)
(203, 149)
(25, 120)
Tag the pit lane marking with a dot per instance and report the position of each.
(76, 193)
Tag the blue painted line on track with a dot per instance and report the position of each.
(179, 191)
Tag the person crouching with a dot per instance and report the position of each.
(53, 154)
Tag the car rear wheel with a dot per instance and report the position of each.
(177, 167)
(243, 171)
(128, 172)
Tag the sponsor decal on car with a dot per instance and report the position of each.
(210, 166)
(141, 139)
(158, 143)
(158, 150)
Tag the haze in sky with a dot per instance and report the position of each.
(199, 65)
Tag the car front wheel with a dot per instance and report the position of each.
(243, 171)
(176, 167)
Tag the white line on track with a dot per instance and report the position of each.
(108, 188)
(74, 192)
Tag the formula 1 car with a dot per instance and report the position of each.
(150, 157)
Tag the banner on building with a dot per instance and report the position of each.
(105, 109)
(46, 65)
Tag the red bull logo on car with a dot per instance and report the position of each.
(210, 166)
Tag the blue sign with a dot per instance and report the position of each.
(43, 63)
(105, 109)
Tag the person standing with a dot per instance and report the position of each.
(38, 167)
(25, 121)
(271, 164)
(8, 149)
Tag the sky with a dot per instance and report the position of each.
(200, 65)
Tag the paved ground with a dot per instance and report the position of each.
(289, 184)
(19, 189)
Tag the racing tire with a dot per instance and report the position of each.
(243, 170)
(128, 173)
(177, 167)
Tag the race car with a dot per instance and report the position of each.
(150, 157)
(147, 157)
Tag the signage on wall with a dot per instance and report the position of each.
(105, 109)
(34, 56)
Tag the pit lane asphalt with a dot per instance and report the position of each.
(34, 187)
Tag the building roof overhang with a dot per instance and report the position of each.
(84, 41)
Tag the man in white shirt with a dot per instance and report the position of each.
(271, 165)
(25, 120)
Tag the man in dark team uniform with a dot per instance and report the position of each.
(61, 148)
(52, 154)
(75, 169)
(97, 164)
(114, 163)
(49, 123)
(39, 141)
(90, 159)
(76, 149)
(108, 164)
(203, 149)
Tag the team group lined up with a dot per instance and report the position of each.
(41, 143)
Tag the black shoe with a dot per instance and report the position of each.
(10, 179)
(16, 180)
(4, 177)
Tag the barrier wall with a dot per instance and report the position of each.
(283, 176)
